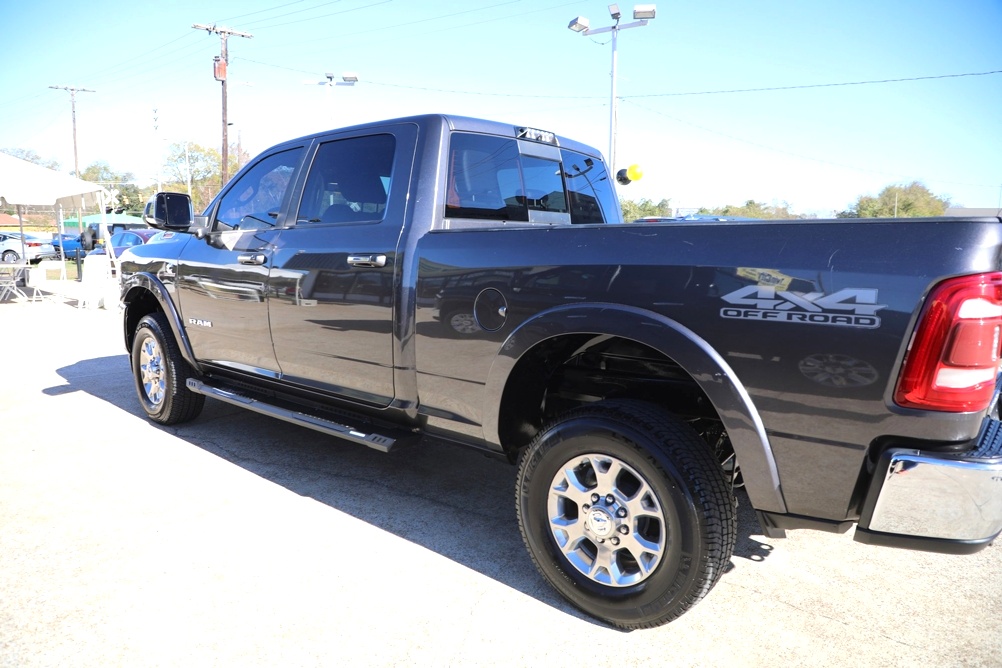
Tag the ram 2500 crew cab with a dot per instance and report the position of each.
(447, 278)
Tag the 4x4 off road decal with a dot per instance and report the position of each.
(851, 307)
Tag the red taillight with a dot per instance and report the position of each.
(953, 358)
(32, 244)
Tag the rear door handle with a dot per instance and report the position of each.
(367, 260)
(252, 258)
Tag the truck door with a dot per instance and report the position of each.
(334, 271)
(222, 279)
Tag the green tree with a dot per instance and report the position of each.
(911, 201)
(191, 163)
(644, 208)
(30, 156)
(753, 209)
(238, 158)
(203, 166)
(128, 194)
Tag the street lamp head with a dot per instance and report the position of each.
(579, 24)
(614, 12)
(644, 11)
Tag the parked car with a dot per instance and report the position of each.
(69, 243)
(34, 248)
(123, 240)
(693, 217)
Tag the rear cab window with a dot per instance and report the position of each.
(502, 179)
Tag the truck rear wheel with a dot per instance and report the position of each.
(161, 373)
(625, 512)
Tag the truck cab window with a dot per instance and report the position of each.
(592, 197)
(491, 179)
(485, 182)
(349, 181)
(253, 202)
(544, 185)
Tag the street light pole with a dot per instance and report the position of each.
(612, 100)
(643, 14)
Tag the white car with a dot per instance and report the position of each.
(35, 248)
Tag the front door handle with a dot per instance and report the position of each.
(252, 258)
(367, 260)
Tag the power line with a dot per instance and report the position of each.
(313, 18)
(297, 11)
(797, 155)
(439, 18)
(626, 97)
(822, 85)
(132, 63)
(262, 11)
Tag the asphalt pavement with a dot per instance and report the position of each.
(239, 540)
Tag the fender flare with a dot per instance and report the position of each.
(709, 369)
(145, 281)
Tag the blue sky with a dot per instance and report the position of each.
(814, 147)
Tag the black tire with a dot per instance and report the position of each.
(643, 510)
(10, 256)
(161, 374)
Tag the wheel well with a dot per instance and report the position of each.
(567, 371)
(138, 304)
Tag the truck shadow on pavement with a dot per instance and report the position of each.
(453, 501)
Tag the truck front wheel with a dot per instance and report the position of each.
(625, 512)
(161, 373)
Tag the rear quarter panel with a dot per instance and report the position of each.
(819, 365)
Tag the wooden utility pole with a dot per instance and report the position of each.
(73, 108)
(76, 161)
(219, 72)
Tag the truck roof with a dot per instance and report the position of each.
(449, 123)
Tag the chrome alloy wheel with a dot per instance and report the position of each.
(463, 323)
(151, 365)
(607, 520)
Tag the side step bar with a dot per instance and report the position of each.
(376, 441)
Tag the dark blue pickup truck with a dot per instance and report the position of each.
(447, 278)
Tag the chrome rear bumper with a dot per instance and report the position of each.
(936, 501)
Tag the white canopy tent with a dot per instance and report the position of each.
(23, 183)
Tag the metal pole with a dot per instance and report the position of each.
(580, 25)
(73, 112)
(160, 155)
(76, 165)
(612, 103)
